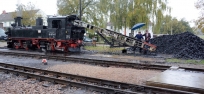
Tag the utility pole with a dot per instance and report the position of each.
(124, 23)
(80, 14)
(19, 11)
(171, 28)
(125, 27)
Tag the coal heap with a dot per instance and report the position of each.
(184, 45)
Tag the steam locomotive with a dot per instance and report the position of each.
(60, 34)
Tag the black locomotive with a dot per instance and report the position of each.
(60, 34)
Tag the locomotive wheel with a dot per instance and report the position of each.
(43, 50)
(9, 44)
(14, 46)
(25, 46)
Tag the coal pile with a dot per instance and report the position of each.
(185, 45)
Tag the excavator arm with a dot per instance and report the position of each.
(117, 36)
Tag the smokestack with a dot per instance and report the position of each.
(39, 21)
(18, 21)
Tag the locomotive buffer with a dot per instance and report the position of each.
(118, 37)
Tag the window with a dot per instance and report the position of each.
(56, 24)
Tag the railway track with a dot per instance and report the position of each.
(87, 83)
(104, 63)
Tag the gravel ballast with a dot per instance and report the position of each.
(126, 75)
(184, 45)
(10, 84)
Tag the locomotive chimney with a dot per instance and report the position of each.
(18, 21)
(39, 21)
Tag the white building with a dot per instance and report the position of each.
(6, 19)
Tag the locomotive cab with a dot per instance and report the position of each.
(65, 29)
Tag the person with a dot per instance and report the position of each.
(147, 39)
(147, 36)
(139, 36)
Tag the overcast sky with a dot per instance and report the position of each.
(180, 8)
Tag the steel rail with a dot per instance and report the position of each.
(100, 85)
(105, 63)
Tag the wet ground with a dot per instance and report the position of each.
(183, 78)
(180, 80)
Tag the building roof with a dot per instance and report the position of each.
(6, 16)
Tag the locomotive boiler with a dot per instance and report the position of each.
(60, 34)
